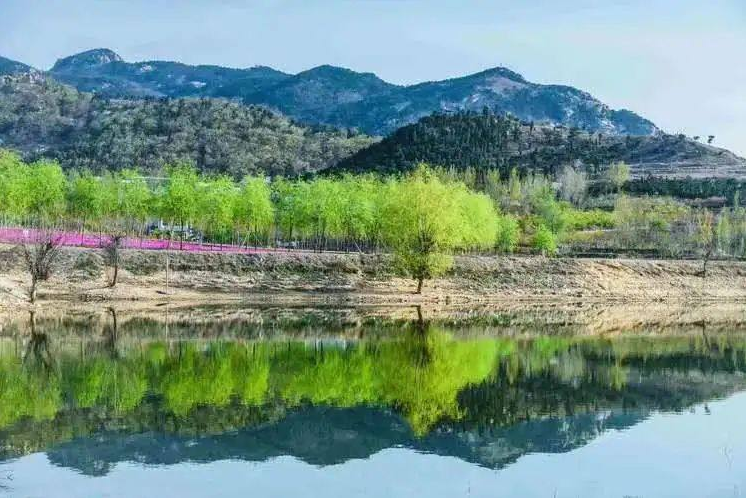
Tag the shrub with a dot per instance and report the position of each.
(584, 220)
(508, 234)
(544, 241)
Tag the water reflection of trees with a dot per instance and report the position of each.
(425, 375)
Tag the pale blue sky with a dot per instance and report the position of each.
(681, 63)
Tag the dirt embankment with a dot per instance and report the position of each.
(149, 277)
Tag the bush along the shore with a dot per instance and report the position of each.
(423, 217)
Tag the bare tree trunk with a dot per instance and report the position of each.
(115, 275)
(112, 250)
(32, 289)
(420, 282)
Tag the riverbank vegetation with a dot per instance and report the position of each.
(423, 217)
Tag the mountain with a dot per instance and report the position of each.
(11, 67)
(492, 119)
(104, 72)
(348, 99)
(489, 141)
(501, 91)
(42, 118)
(316, 95)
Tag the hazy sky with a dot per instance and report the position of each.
(680, 63)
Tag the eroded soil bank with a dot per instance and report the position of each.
(152, 277)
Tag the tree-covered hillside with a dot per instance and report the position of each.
(8, 67)
(42, 118)
(489, 141)
(348, 99)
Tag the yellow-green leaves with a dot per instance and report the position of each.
(424, 220)
(34, 190)
(253, 210)
(179, 200)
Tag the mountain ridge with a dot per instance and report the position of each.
(346, 98)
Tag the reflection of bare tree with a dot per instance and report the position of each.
(37, 348)
(111, 333)
(708, 345)
(418, 345)
(420, 319)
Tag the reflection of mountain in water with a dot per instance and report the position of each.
(484, 400)
(501, 424)
(330, 436)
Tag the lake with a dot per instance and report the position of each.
(344, 403)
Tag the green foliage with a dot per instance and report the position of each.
(180, 198)
(432, 378)
(84, 197)
(117, 386)
(508, 234)
(648, 212)
(253, 211)
(545, 241)
(424, 220)
(550, 213)
(34, 190)
(594, 218)
(217, 200)
(688, 188)
(424, 375)
(27, 392)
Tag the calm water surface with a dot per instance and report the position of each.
(133, 408)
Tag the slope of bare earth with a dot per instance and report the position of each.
(354, 279)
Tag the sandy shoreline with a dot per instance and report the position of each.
(355, 279)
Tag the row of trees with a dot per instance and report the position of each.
(423, 218)
(420, 218)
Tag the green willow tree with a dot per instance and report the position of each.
(84, 199)
(33, 192)
(424, 220)
(216, 200)
(179, 200)
(253, 212)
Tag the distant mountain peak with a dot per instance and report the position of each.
(328, 71)
(502, 72)
(9, 67)
(89, 58)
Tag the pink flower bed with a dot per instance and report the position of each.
(74, 239)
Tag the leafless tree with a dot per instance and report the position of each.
(573, 185)
(111, 256)
(40, 256)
